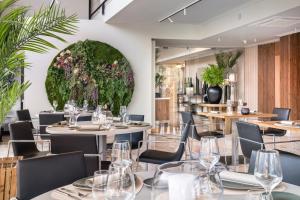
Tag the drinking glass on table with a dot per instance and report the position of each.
(268, 171)
(99, 184)
(120, 183)
(85, 105)
(209, 152)
(121, 153)
(76, 112)
(55, 104)
(123, 113)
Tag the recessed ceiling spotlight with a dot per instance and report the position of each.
(245, 41)
(170, 20)
(219, 39)
(254, 40)
(184, 11)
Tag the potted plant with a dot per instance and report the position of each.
(159, 79)
(20, 33)
(214, 77)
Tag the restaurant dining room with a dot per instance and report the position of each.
(149, 100)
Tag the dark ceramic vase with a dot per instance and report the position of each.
(214, 94)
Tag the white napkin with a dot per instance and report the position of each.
(239, 178)
(286, 122)
(181, 186)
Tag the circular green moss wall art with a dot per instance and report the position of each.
(90, 70)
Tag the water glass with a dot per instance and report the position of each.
(209, 152)
(66, 107)
(268, 171)
(55, 104)
(85, 105)
(123, 113)
(76, 112)
(121, 152)
(120, 183)
(99, 184)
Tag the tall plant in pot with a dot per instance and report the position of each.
(213, 75)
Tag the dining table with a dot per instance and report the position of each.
(145, 192)
(101, 134)
(230, 120)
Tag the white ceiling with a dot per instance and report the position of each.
(152, 11)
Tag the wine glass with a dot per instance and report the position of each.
(99, 184)
(76, 112)
(66, 107)
(108, 119)
(123, 113)
(209, 152)
(121, 152)
(85, 105)
(55, 104)
(120, 183)
(268, 171)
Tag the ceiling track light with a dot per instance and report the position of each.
(180, 10)
(219, 39)
(245, 41)
(170, 20)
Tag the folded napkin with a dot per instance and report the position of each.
(286, 122)
(239, 178)
(181, 186)
(89, 127)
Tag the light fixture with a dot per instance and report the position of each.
(254, 40)
(245, 41)
(170, 20)
(182, 9)
(219, 39)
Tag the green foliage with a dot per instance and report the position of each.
(102, 63)
(227, 60)
(213, 75)
(159, 79)
(19, 33)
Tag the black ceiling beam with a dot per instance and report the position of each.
(92, 13)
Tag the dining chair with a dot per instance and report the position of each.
(289, 163)
(87, 143)
(84, 118)
(8, 177)
(193, 133)
(133, 138)
(36, 176)
(24, 115)
(160, 157)
(47, 119)
(23, 142)
(282, 115)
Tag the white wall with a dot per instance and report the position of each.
(135, 46)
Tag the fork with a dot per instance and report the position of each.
(76, 192)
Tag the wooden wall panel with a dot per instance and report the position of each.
(266, 77)
(277, 74)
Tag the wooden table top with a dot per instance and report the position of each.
(235, 115)
(274, 124)
(212, 105)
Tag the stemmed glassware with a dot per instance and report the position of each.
(209, 152)
(55, 104)
(268, 171)
(123, 114)
(85, 105)
(120, 183)
(76, 112)
(121, 153)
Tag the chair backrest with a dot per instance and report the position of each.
(22, 131)
(36, 176)
(135, 137)
(46, 119)
(250, 136)
(187, 117)
(289, 163)
(282, 114)
(86, 143)
(24, 115)
(8, 177)
(183, 139)
(84, 118)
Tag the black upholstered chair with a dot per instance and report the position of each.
(160, 157)
(250, 138)
(133, 138)
(24, 115)
(36, 176)
(193, 133)
(86, 143)
(289, 163)
(22, 141)
(47, 119)
(84, 118)
(282, 114)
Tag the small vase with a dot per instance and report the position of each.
(214, 94)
